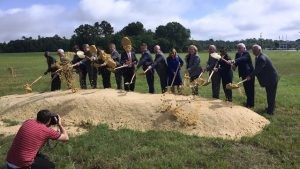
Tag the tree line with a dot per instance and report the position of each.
(171, 35)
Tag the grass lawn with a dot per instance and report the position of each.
(277, 146)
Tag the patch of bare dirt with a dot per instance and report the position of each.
(185, 114)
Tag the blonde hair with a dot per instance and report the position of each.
(194, 47)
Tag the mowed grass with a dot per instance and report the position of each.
(277, 146)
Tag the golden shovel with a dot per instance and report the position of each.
(27, 86)
(209, 79)
(199, 81)
(131, 81)
(231, 86)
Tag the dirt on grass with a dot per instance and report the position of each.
(136, 111)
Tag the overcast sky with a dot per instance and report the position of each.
(217, 19)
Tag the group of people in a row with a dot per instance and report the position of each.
(168, 70)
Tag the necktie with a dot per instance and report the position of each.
(129, 57)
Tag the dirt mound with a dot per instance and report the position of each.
(119, 109)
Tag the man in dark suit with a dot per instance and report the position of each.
(128, 58)
(160, 65)
(267, 76)
(192, 66)
(116, 57)
(225, 73)
(146, 61)
(80, 67)
(105, 73)
(52, 68)
(213, 65)
(244, 63)
(91, 70)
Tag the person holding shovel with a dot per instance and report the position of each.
(160, 65)
(116, 57)
(225, 73)
(174, 63)
(80, 67)
(146, 61)
(244, 63)
(212, 66)
(129, 60)
(52, 68)
(192, 66)
(267, 76)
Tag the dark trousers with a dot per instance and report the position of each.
(105, 73)
(127, 75)
(118, 77)
(227, 78)
(82, 79)
(55, 82)
(271, 95)
(39, 162)
(194, 88)
(215, 85)
(92, 73)
(150, 81)
(163, 78)
(249, 90)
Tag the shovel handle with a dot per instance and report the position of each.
(175, 75)
(36, 80)
(242, 81)
(201, 74)
(212, 72)
(120, 67)
(132, 78)
(146, 70)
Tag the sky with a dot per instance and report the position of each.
(207, 19)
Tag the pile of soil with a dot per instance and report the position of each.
(119, 109)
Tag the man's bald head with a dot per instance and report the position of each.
(156, 48)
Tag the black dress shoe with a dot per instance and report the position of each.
(269, 112)
(249, 106)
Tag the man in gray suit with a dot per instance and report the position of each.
(160, 65)
(267, 76)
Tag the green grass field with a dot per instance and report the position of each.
(277, 146)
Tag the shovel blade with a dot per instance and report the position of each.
(27, 88)
(231, 86)
(206, 83)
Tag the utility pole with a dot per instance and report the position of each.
(261, 40)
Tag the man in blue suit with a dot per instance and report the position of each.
(146, 61)
(244, 63)
(267, 76)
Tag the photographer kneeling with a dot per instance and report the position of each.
(32, 135)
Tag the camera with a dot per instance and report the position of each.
(54, 119)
